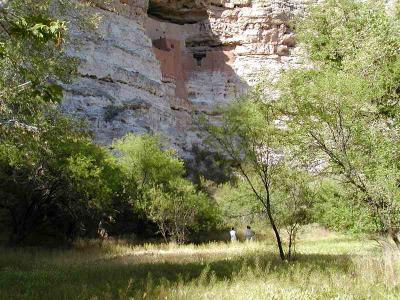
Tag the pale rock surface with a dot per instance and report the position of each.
(152, 67)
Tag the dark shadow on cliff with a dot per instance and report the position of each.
(200, 64)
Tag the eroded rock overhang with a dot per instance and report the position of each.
(151, 66)
(179, 11)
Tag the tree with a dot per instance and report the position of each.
(237, 202)
(33, 62)
(155, 184)
(333, 209)
(51, 172)
(343, 113)
(250, 135)
(177, 209)
(54, 177)
(295, 200)
(143, 159)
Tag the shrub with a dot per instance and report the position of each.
(155, 184)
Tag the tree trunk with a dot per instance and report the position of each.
(394, 235)
(278, 237)
(289, 255)
(274, 228)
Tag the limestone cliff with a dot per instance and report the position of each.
(152, 65)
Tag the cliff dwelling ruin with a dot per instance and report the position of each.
(152, 65)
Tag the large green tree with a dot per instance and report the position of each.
(249, 133)
(343, 112)
(155, 184)
(55, 178)
(51, 173)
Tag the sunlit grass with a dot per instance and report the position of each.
(328, 266)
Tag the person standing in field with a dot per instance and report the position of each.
(233, 234)
(249, 234)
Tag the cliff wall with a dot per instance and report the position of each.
(151, 66)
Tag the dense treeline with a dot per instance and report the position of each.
(324, 149)
(53, 179)
(344, 112)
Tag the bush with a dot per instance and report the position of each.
(54, 177)
(155, 184)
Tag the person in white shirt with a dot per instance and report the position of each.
(249, 234)
(233, 235)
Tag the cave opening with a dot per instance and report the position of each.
(199, 57)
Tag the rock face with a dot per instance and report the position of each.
(152, 66)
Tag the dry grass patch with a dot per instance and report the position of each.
(327, 267)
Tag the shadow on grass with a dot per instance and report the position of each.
(228, 268)
(110, 277)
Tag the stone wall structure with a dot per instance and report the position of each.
(152, 65)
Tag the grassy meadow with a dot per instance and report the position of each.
(327, 266)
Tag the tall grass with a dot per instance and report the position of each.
(326, 267)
